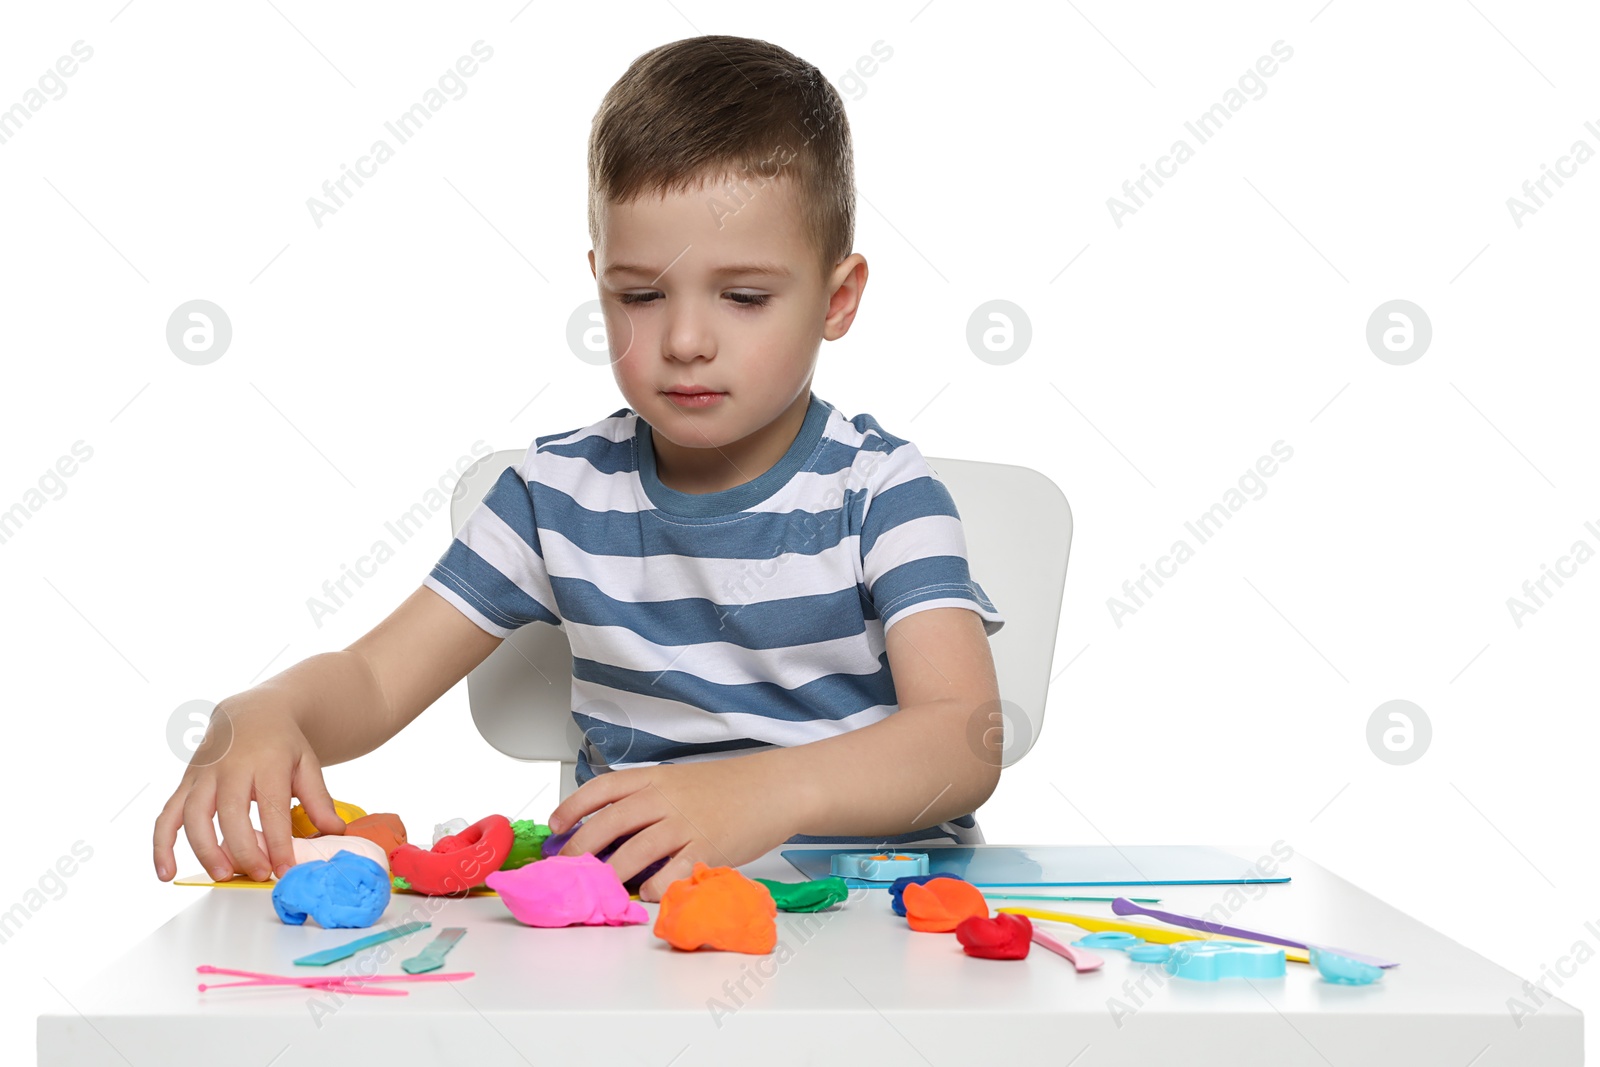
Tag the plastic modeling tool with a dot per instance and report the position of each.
(1145, 930)
(1208, 961)
(1125, 906)
(1342, 970)
(432, 957)
(1081, 959)
(879, 866)
(345, 951)
(338, 983)
(1096, 900)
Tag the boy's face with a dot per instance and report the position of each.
(686, 306)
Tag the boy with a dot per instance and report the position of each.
(775, 636)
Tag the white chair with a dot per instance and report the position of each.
(1018, 529)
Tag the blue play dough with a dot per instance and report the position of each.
(898, 888)
(348, 890)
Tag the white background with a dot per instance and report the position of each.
(1227, 314)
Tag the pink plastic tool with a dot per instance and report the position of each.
(340, 983)
(1081, 959)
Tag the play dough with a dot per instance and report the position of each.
(938, 905)
(566, 891)
(1004, 937)
(446, 829)
(717, 907)
(383, 829)
(344, 891)
(456, 863)
(527, 842)
(806, 896)
(555, 843)
(300, 823)
(307, 849)
(897, 901)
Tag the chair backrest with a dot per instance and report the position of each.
(1018, 528)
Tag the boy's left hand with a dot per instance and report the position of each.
(723, 812)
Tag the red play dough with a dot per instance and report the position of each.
(1004, 937)
(717, 907)
(456, 863)
(938, 906)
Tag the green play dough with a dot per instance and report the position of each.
(806, 896)
(399, 882)
(527, 840)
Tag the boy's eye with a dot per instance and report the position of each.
(742, 299)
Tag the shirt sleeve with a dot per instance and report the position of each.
(913, 550)
(494, 571)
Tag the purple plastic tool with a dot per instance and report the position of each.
(1124, 906)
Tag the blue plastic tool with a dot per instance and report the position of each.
(1149, 953)
(432, 957)
(1112, 939)
(1341, 969)
(350, 948)
(879, 866)
(1208, 961)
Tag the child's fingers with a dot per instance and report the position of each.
(272, 804)
(679, 866)
(591, 796)
(198, 809)
(314, 796)
(652, 843)
(166, 835)
(238, 833)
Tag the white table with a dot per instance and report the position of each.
(851, 985)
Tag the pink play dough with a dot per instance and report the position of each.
(564, 890)
(321, 848)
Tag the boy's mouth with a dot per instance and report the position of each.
(693, 396)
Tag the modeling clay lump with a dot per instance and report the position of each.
(1004, 937)
(939, 905)
(809, 896)
(325, 847)
(300, 824)
(556, 842)
(344, 891)
(565, 891)
(527, 843)
(383, 829)
(717, 907)
(456, 863)
(897, 901)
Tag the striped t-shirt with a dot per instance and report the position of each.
(708, 625)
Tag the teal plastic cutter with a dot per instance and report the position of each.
(350, 948)
(432, 957)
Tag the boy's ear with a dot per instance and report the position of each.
(849, 281)
(591, 265)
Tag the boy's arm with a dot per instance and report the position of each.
(936, 758)
(273, 739)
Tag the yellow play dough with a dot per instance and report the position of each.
(300, 823)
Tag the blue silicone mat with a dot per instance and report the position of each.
(1000, 865)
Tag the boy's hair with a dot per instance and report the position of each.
(704, 107)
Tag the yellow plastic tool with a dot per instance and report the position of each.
(1158, 935)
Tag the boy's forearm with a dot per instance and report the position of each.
(919, 767)
(338, 704)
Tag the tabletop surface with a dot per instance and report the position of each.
(852, 983)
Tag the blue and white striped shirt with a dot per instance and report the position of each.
(705, 625)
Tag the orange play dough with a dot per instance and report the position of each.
(717, 907)
(938, 906)
(383, 829)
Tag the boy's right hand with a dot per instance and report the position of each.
(253, 751)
